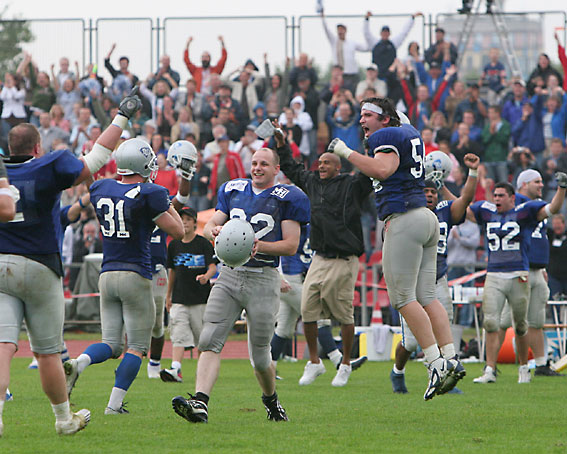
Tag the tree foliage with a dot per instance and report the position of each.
(13, 33)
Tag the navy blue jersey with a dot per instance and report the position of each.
(403, 190)
(299, 263)
(158, 248)
(443, 212)
(36, 228)
(508, 234)
(265, 211)
(126, 213)
(538, 254)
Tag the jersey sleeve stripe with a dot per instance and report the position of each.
(387, 149)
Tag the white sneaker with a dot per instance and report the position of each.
(437, 370)
(71, 368)
(311, 372)
(524, 374)
(9, 395)
(153, 371)
(341, 379)
(77, 422)
(33, 364)
(487, 377)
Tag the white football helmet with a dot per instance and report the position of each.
(183, 155)
(438, 166)
(234, 243)
(135, 156)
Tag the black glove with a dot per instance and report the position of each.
(130, 104)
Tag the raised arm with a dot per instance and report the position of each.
(558, 198)
(459, 205)
(170, 222)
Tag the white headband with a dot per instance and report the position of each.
(372, 108)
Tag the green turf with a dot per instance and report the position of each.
(363, 417)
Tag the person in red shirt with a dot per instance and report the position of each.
(226, 166)
(201, 74)
(166, 176)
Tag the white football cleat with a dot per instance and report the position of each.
(77, 422)
(343, 374)
(524, 374)
(438, 371)
(487, 377)
(71, 368)
(311, 372)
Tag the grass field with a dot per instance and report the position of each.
(363, 417)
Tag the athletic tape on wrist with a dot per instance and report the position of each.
(9, 192)
(183, 199)
(548, 210)
(473, 173)
(121, 121)
(97, 157)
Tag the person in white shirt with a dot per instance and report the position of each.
(12, 96)
(343, 51)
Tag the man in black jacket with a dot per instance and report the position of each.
(336, 238)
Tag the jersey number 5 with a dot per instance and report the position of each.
(109, 218)
(417, 156)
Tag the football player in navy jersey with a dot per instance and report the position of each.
(293, 268)
(450, 211)
(395, 163)
(276, 213)
(508, 229)
(30, 260)
(529, 185)
(128, 211)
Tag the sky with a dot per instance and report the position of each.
(245, 37)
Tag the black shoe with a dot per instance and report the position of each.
(275, 410)
(354, 363)
(456, 373)
(546, 371)
(192, 410)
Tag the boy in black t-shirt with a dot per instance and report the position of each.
(191, 266)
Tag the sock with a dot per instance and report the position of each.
(2, 407)
(176, 365)
(62, 411)
(65, 353)
(325, 337)
(94, 354)
(488, 369)
(156, 347)
(127, 371)
(335, 356)
(154, 363)
(399, 371)
(431, 353)
(540, 361)
(202, 397)
(267, 400)
(448, 351)
(277, 344)
(116, 398)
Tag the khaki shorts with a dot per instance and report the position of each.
(539, 295)
(328, 290)
(31, 291)
(496, 292)
(159, 290)
(410, 257)
(185, 325)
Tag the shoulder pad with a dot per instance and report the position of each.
(488, 206)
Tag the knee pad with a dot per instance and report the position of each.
(490, 324)
(260, 357)
(206, 339)
(409, 343)
(117, 350)
(521, 328)
(158, 331)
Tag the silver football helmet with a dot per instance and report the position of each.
(438, 166)
(234, 243)
(135, 156)
(183, 155)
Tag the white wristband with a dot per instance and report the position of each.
(548, 210)
(473, 173)
(121, 121)
(97, 157)
(183, 199)
(12, 192)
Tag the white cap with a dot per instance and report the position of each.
(526, 176)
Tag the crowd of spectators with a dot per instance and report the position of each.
(510, 123)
